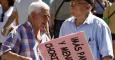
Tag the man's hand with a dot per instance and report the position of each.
(13, 56)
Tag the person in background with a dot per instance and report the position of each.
(96, 30)
(100, 6)
(60, 11)
(22, 43)
(19, 13)
(7, 9)
(109, 17)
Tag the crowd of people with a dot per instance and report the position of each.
(24, 24)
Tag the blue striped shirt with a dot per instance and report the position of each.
(97, 32)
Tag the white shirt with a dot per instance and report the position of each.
(5, 18)
(21, 6)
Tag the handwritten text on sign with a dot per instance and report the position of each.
(71, 47)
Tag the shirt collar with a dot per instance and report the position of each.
(88, 19)
(28, 25)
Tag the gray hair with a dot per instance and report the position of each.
(37, 5)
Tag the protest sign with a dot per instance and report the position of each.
(70, 47)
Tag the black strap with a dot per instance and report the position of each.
(111, 14)
(0, 45)
(67, 0)
(113, 36)
(59, 8)
(2, 17)
(100, 4)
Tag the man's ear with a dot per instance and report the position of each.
(32, 15)
(89, 7)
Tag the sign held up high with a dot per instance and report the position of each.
(70, 47)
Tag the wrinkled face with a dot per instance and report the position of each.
(40, 18)
(79, 7)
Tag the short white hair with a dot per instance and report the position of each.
(37, 5)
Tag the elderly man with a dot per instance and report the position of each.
(96, 30)
(23, 41)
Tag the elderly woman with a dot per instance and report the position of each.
(23, 41)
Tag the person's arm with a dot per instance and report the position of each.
(13, 56)
(12, 44)
(104, 41)
(13, 17)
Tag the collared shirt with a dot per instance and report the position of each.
(97, 32)
(23, 42)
